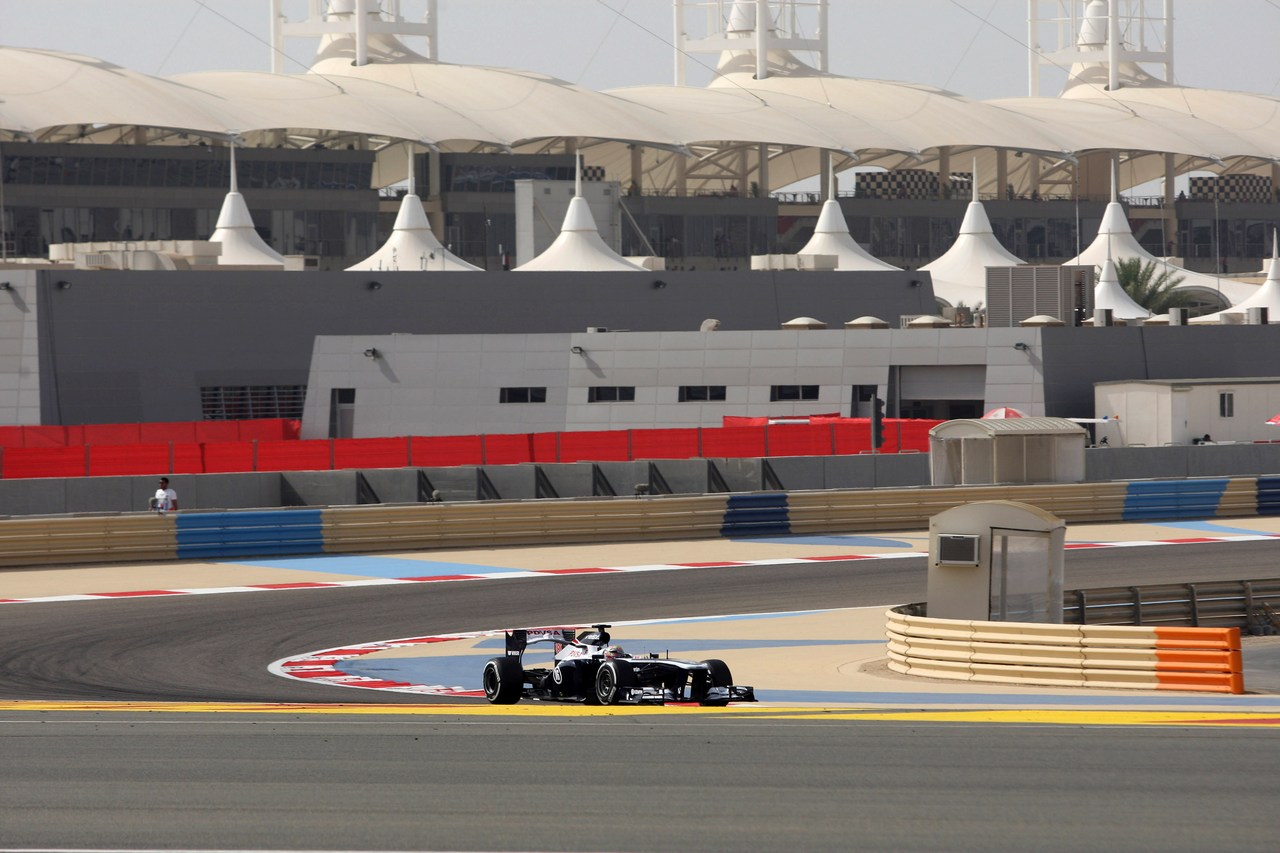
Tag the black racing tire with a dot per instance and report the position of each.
(718, 672)
(503, 680)
(718, 675)
(612, 679)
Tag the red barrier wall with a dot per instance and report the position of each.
(24, 462)
(294, 455)
(11, 436)
(544, 447)
(852, 437)
(664, 443)
(606, 446)
(112, 433)
(507, 449)
(371, 453)
(48, 436)
(110, 460)
(442, 451)
(275, 429)
(733, 442)
(179, 432)
(208, 432)
(59, 451)
(799, 440)
(227, 457)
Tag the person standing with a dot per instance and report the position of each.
(166, 498)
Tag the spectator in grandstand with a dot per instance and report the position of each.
(165, 497)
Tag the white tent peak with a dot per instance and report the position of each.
(831, 237)
(960, 274)
(1115, 241)
(1108, 293)
(412, 244)
(241, 243)
(579, 246)
(1267, 296)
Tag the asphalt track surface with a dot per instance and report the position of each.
(706, 781)
(217, 648)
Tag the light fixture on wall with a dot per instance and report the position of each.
(1021, 347)
(374, 285)
(915, 282)
(64, 284)
(659, 284)
(577, 350)
(4, 285)
(372, 352)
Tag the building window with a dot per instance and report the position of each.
(523, 395)
(611, 394)
(701, 393)
(1226, 404)
(251, 402)
(780, 393)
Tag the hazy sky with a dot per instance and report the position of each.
(975, 47)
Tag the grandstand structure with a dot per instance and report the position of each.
(106, 153)
(106, 171)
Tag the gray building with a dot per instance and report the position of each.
(369, 385)
(83, 346)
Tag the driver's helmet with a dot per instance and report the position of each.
(611, 652)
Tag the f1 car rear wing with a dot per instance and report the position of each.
(519, 639)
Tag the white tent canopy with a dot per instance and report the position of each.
(579, 246)
(1267, 296)
(241, 243)
(960, 274)
(412, 244)
(1115, 241)
(1108, 294)
(831, 237)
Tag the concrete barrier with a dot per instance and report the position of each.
(377, 528)
(468, 522)
(93, 539)
(1132, 657)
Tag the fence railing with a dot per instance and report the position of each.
(1248, 604)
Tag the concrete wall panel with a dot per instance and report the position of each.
(316, 488)
(684, 476)
(34, 497)
(568, 479)
(393, 485)
(741, 475)
(513, 482)
(624, 476)
(800, 472)
(453, 484)
(221, 491)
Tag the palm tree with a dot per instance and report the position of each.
(1153, 291)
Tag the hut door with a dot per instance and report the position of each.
(1022, 584)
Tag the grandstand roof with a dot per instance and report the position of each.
(56, 96)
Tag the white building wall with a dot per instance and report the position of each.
(19, 352)
(450, 384)
(1252, 404)
(1160, 413)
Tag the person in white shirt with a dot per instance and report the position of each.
(165, 498)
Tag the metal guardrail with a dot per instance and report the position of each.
(1252, 605)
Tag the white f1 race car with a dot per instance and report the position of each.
(588, 670)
